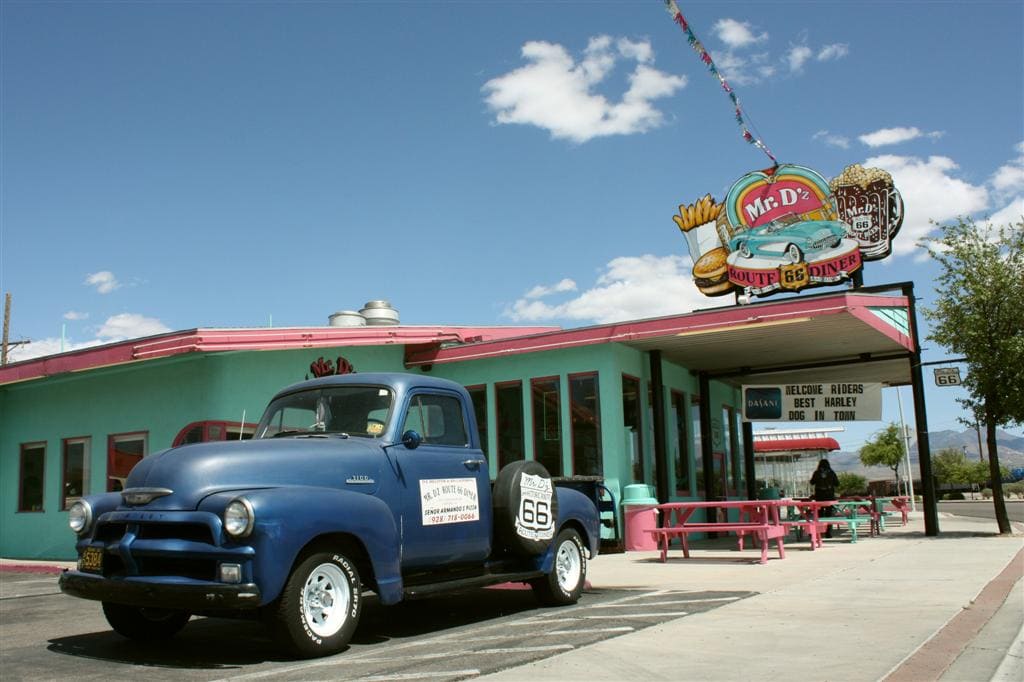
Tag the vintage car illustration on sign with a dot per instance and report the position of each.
(788, 238)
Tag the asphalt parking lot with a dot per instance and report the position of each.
(46, 635)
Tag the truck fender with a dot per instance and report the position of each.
(288, 519)
(579, 511)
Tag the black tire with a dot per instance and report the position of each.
(525, 524)
(568, 576)
(144, 624)
(320, 605)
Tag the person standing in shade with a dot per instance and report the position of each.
(825, 482)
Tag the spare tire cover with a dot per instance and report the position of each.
(525, 508)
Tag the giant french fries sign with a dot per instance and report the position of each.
(788, 229)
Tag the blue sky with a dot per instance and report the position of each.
(173, 165)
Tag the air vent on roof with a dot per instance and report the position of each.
(379, 313)
(347, 318)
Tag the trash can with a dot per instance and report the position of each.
(639, 507)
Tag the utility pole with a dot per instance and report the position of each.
(7, 328)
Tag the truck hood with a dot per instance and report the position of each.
(193, 472)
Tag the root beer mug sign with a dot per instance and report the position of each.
(787, 229)
(813, 402)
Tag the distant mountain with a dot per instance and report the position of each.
(1011, 452)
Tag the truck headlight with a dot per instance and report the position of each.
(80, 517)
(239, 518)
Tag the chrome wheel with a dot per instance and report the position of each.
(326, 598)
(568, 565)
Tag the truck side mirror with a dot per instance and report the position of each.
(411, 439)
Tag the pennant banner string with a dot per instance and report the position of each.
(705, 57)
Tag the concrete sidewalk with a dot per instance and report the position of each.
(844, 612)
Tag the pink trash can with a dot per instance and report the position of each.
(640, 513)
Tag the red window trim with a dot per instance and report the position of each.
(110, 449)
(572, 432)
(640, 427)
(684, 418)
(533, 417)
(497, 426)
(64, 466)
(487, 406)
(21, 477)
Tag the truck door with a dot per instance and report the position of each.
(446, 500)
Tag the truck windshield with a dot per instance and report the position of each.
(350, 410)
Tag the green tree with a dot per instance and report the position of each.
(951, 466)
(978, 313)
(851, 483)
(886, 449)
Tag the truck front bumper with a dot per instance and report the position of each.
(160, 592)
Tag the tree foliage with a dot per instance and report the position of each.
(851, 483)
(978, 313)
(885, 449)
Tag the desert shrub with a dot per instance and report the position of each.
(986, 493)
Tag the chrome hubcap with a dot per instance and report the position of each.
(568, 566)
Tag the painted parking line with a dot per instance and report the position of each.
(588, 631)
(472, 672)
(663, 603)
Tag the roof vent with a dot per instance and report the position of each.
(379, 313)
(347, 318)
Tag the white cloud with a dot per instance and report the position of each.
(833, 51)
(831, 139)
(630, 287)
(930, 192)
(1011, 214)
(887, 136)
(116, 328)
(75, 315)
(556, 93)
(737, 34)
(1009, 178)
(541, 291)
(130, 326)
(798, 56)
(104, 281)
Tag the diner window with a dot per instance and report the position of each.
(680, 453)
(210, 430)
(585, 418)
(698, 450)
(32, 468)
(509, 399)
(631, 415)
(478, 394)
(737, 451)
(547, 423)
(438, 418)
(124, 451)
(729, 445)
(74, 471)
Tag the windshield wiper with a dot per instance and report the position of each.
(310, 434)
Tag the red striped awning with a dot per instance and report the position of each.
(789, 444)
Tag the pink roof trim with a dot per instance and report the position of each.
(214, 340)
(719, 318)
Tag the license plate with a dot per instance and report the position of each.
(91, 560)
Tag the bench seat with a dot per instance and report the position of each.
(851, 522)
(763, 531)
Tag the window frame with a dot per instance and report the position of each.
(31, 445)
(534, 381)
(125, 435)
(679, 404)
(86, 441)
(502, 462)
(597, 414)
(454, 397)
(640, 395)
(482, 429)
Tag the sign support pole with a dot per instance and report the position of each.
(931, 510)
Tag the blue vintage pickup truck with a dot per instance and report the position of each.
(352, 483)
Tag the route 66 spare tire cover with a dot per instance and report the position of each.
(525, 508)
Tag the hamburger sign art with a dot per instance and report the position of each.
(788, 229)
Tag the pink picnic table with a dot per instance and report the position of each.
(759, 518)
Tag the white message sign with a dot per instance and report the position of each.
(813, 402)
(449, 500)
